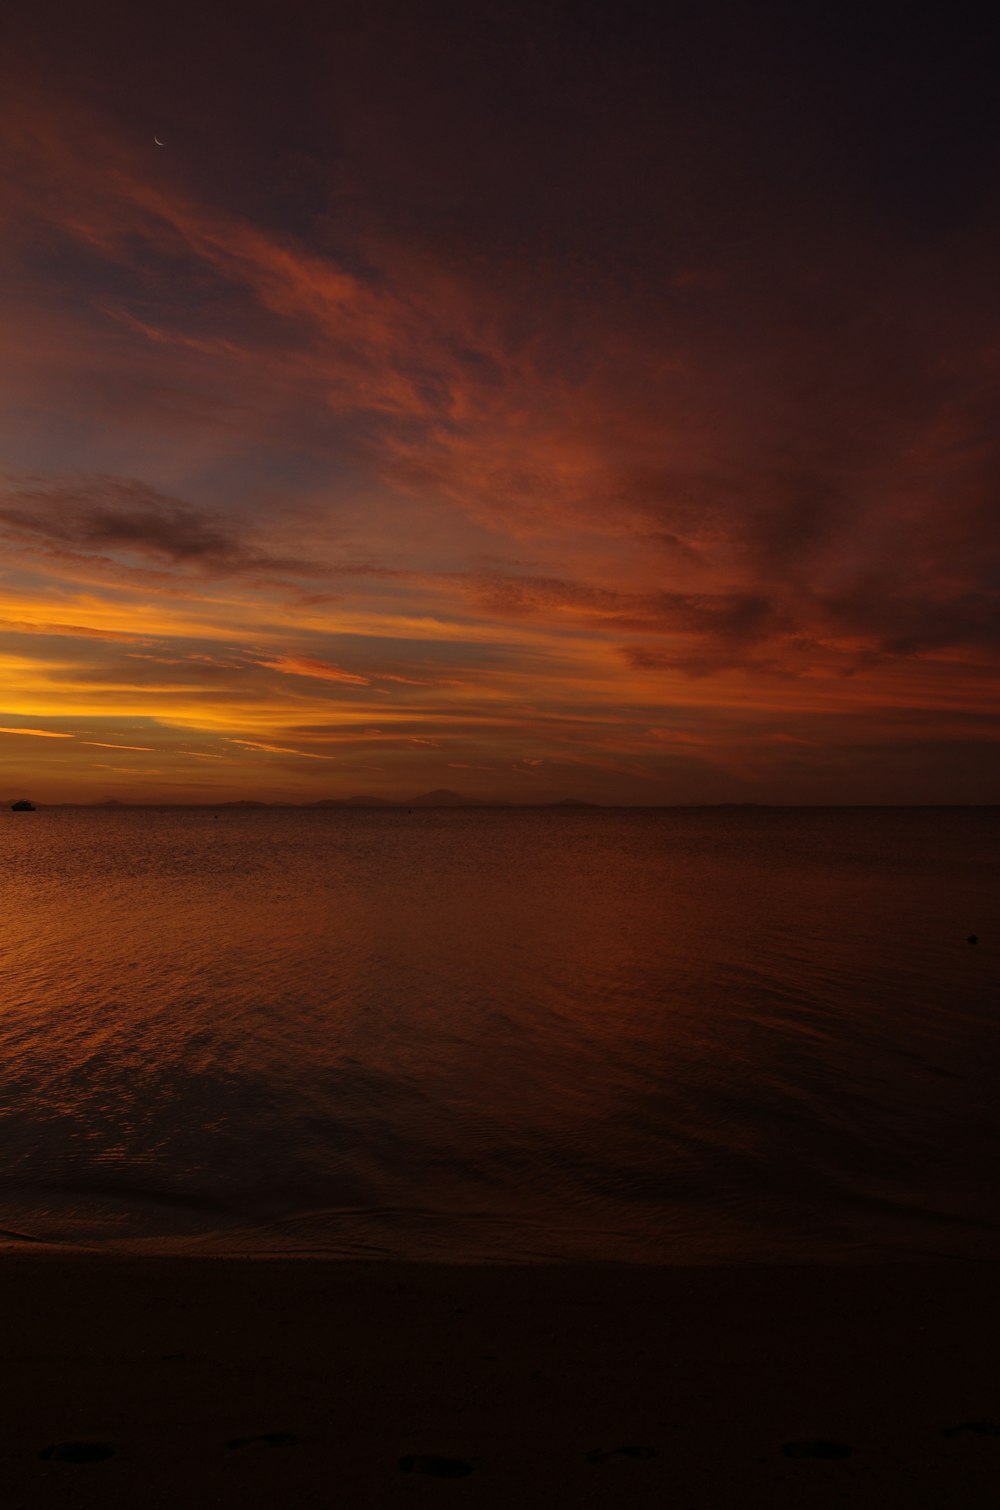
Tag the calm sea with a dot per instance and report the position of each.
(684, 1035)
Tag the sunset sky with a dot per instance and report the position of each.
(539, 400)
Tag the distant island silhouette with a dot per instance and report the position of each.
(441, 797)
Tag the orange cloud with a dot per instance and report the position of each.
(560, 520)
(99, 744)
(293, 665)
(37, 733)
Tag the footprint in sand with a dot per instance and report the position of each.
(437, 1467)
(77, 1452)
(979, 1428)
(630, 1450)
(267, 1438)
(817, 1447)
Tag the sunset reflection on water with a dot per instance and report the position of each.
(668, 1035)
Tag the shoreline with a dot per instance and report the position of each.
(266, 1381)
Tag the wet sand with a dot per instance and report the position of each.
(138, 1382)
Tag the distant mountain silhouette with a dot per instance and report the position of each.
(362, 800)
(439, 798)
(442, 797)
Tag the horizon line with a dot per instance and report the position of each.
(375, 805)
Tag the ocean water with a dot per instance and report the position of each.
(689, 1035)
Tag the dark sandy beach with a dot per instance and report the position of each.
(261, 1383)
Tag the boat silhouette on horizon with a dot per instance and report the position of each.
(24, 806)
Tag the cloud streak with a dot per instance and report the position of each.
(121, 516)
(648, 467)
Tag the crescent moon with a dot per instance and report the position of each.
(158, 142)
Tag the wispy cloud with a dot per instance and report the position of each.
(281, 485)
(118, 515)
(251, 744)
(100, 744)
(299, 665)
(37, 733)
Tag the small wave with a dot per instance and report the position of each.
(8, 1234)
(152, 1195)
